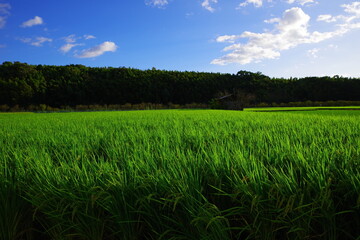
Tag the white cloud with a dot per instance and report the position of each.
(67, 47)
(289, 31)
(40, 40)
(272, 20)
(349, 22)
(98, 50)
(87, 37)
(37, 42)
(157, 3)
(345, 23)
(227, 38)
(207, 5)
(313, 52)
(353, 8)
(301, 2)
(70, 39)
(326, 18)
(32, 22)
(294, 21)
(333, 46)
(4, 8)
(4, 12)
(256, 3)
(71, 42)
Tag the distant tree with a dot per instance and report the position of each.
(23, 84)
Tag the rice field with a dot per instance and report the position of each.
(278, 109)
(180, 174)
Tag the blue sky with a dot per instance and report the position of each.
(280, 38)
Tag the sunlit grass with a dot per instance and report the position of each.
(262, 109)
(176, 174)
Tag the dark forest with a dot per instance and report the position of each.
(23, 84)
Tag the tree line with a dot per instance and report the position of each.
(23, 84)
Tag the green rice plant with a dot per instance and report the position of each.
(202, 174)
(15, 221)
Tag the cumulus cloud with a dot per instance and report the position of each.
(313, 52)
(70, 39)
(98, 50)
(87, 37)
(4, 13)
(207, 5)
(353, 8)
(227, 38)
(157, 3)
(345, 22)
(40, 40)
(32, 22)
(290, 31)
(71, 42)
(326, 18)
(301, 2)
(67, 47)
(256, 3)
(272, 20)
(37, 42)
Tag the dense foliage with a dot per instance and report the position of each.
(209, 175)
(23, 84)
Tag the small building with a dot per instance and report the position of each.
(230, 102)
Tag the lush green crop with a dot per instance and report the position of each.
(180, 175)
(278, 109)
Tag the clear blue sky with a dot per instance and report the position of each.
(280, 38)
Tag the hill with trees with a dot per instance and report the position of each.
(23, 85)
